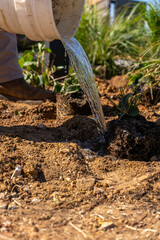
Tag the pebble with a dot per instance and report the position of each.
(88, 154)
(153, 158)
(3, 229)
(86, 183)
(7, 223)
(12, 207)
(42, 126)
(3, 205)
(36, 200)
(67, 179)
(2, 195)
(107, 225)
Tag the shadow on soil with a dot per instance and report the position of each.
(131, 137)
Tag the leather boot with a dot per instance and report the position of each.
(20, 90)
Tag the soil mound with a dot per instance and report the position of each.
(133, 138)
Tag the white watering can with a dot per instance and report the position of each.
(41, 20)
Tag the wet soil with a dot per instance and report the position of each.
(72, 104)
(73, 184)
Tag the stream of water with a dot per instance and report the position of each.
(86, 79)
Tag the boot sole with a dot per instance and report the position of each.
(14, 99)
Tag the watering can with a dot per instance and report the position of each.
(41, 20)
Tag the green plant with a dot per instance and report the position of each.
(35, 71)
(69, 86)
(153, 20)
(145, 76)
(128, 105)
(103, 41)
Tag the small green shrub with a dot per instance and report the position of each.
(38, 74)
(128, 105)
(35, 71)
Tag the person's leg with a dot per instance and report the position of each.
(12, 85)
(9, 67)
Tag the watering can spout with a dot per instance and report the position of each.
(41, 20)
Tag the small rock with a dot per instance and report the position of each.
(42, 126)
(2, 195)
(7, 223)
(153, 158)
(107, 225)
(3, 229)
(85, 183)
(88, 154)
(3, 205)
(36, 200)
(64, 150)
(12, 206)
(123, 63)
(98, 190)
(30, 169)
(67, 179)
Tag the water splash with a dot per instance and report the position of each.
(86, 79)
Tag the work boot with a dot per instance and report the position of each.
(20, 90)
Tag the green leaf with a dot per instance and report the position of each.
(125, 99)
(47, 50)
(124, 102)
(133, 111)
(40, 46)
(41, 83)
(27, 57)
(57, 87)
(72, 89)
(46, 78)
(59, 68)
(29, 63)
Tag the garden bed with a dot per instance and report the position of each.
(73, 185)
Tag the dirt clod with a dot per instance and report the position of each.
(85, 184)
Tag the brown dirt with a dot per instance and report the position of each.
(66, 189)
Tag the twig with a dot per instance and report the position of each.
(57, 79)
(16, 185)
(19, 204)
(149, 230)
(79, 230)
(96, 214)
(143, 230)
(132, 228)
